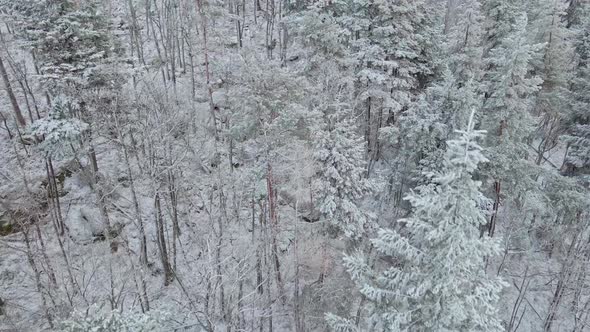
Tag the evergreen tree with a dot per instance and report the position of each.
(77, 56)
(61, 131)
(578, 137)
(434, 278)
(342, 184)
(339, 151)
(500, 15)
(553, 102)
(429, 123)
(466, 45)
(388, 42)
(73, 44)
(507, 111)
(419, 140)
(445, 105)
(324, 36)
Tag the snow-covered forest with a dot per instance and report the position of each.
(295, 165)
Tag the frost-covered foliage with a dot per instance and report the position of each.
(579, 150)
(269, 100)
(390, 46)
(578, 156)
(116, 322)
(72, 42)
(205, 139)
(324, 34)
(339, 151)
(466, 42)
(339, 324)
(60, 131)
(433, 278)
(554, 100)
(507, 112)
(433, 118)
(342, 183)
(388, 50)
(500, 15)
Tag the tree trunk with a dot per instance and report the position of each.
(53, 195)
(17, 112)
(37, 273)
(168, 274)
(562, 282)
(494, 217)
(203, 18)
(273, 228)
(143, 241)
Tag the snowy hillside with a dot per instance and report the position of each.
(268, 165)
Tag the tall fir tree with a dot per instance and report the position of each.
(500, 16)
(389, 46)
(431, 274)
(342, 183)
(73, 44)
(578, 137)
(466, 42)
(508, 118)
(432, 120)
(553, 102)
(446, 104)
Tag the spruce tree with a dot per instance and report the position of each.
(61, 131)
(500, 16)
(553, 102)
(507, 112)
(388, 42)
(342, 183)
(466, 45)
(73, 44)
(432, 120)
(431, 275)
(446, 104)
(578, 137)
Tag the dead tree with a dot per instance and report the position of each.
(17, 112)
(161, 240)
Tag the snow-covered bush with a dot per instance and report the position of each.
(115, 322)
(59, 130)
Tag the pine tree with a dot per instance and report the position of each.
(73, 44)
(500, 15)
(466, 42)
(61, 131)
(578, 137)
(324, 36)
(342, 183)
(446, 104)
(77, 55)
(508, 118)
(388, 41)
(507, 111)
(434, 278)
(553, 102)
(339, 152)
(430, 122)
